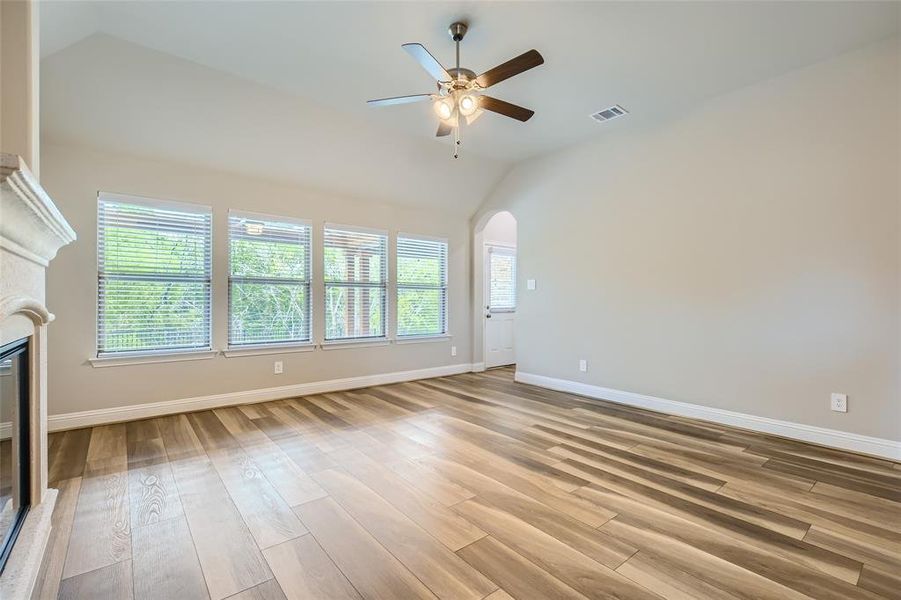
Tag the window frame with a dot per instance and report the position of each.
(284, 345)
(125, 356)
(383, 337)
(443, 288)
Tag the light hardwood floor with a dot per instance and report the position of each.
(466, 487)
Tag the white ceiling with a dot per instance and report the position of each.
(328, 58)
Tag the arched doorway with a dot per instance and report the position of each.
(495, 290)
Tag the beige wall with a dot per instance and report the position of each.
(744, 257)
(73, 175)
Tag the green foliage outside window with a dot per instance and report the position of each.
(421, 294)
(275, 309)
(357, 309)
(153, 286)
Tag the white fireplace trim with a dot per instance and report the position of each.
(25, 560)
(27, 306)
(19, 577)
(31, 226)
(39, 316)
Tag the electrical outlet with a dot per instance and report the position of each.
(453, 351)
(278, 367)
(839, 402)
(583, 365)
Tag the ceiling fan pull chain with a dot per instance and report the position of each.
(457, 139)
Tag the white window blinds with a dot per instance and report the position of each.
(502, 279)
(421, 286)
(356, 275)
(154, 266)
(269, 280)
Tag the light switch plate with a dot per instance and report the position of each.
(530, 284)
(453, 351)
(583, 365)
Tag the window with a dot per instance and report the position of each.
(269, 280)
(502, 279)
(421, 286)
(153, 275)
(356, 275)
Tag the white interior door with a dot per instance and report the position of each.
(500, 305)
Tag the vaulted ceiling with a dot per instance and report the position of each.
(279, 88)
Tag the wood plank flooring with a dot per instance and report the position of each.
(468, 487)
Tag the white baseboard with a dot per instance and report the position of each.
(89, 418)
(478, 367)
(819, 435)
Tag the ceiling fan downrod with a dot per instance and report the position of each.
(457, 31)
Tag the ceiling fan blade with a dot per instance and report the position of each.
(400, 100)
(444, 128)
(428, 62)
(505, 108)
(512, 67)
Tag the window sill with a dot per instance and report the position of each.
(150, 357)
(239, 351)
(364, 343)
(423, 339)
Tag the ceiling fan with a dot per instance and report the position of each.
(459, 98)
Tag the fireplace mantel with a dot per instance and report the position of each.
(30, 224)
(32, 231)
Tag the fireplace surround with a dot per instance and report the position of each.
(32, 230)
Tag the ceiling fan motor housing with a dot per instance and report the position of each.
(462, 75)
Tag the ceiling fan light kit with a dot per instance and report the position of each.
(459, 98)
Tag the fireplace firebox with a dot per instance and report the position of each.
(15, 475)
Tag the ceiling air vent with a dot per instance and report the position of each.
(609, 113)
